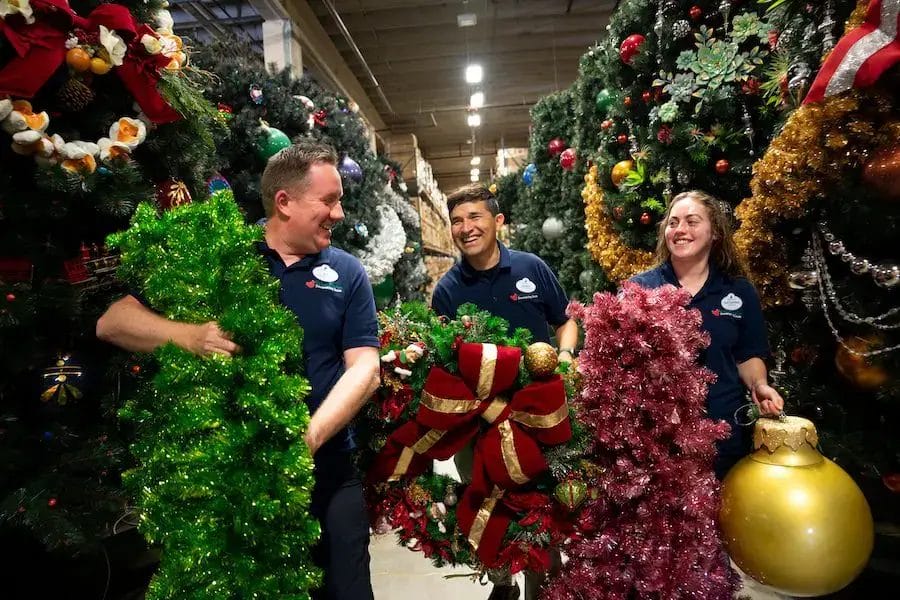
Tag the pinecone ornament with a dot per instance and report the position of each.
(74, 96)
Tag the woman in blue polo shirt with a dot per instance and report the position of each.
(696, 252)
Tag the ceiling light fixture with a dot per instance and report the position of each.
(466, 20)
(474, 119)
(476, 100)
(475, 172)
(473, 178)
(476, 160)
(474, 74)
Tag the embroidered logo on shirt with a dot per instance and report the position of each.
(732, 302)
(516, 297)
(325, 273)
(525, 285)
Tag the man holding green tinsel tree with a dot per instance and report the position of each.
(328, 291)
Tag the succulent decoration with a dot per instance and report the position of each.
(714, 64)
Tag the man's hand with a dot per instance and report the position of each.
(208, 339)
(565, 356)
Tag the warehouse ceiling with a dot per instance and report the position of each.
(410, 57)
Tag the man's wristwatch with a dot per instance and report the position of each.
(571, 351)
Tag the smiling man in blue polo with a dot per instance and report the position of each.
(515, 285)
(329, 292)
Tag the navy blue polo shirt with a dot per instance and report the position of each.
(733, 317)
(332, 298)
(522, 289)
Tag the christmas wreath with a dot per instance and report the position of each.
(451, 385)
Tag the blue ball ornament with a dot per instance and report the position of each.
(350, 169)
(217, 183)
(528, 174)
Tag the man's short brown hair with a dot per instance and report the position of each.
(473, 192)
(290, 166)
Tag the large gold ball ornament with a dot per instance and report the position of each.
(541, 359)
(620, 171)
(791, 518)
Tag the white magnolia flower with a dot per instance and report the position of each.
(151, 44)
(110, 149)
(78, 149)
(128, 131)
(17, 7)
(115, 46)
(164, 22)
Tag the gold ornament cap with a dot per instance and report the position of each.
(788, 441)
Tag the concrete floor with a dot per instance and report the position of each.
(400, 574)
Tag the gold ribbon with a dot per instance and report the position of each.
(494, 410)
(422, 445)
(448, 405)
(483, 516)
(541, 421)
(510, 457)
(486, 374)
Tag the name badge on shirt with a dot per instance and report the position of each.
(731, 307)
(325, 278)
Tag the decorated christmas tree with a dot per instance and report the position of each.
(549, 217)
(264, 111)
(98, 114)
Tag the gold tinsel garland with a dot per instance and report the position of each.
(821, 145)
(619, 261)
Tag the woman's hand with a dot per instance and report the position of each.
(767, 399)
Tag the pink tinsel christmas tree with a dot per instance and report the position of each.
(652, 532)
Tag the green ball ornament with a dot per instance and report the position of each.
(571, 493)
(384, 292)
(271, 142)
(604, 100)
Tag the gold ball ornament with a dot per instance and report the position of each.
(859, 370)
(620, 171)
(791, 518)
(541, 359)
(882, 172)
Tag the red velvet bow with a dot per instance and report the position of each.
(41, 49)
(507, 454)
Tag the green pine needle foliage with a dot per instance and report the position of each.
(224, 478)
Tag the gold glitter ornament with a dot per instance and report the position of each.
(541, 359)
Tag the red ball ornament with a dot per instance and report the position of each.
(10, 297)
(627, 101)
(555, 147)
(882, 173)
(722, 166)
(892, 482)
(51, 502)
(135, 369)
(696, 12)
(567, 159)
(622, 139)
(606, 124)
(646, 97)
(171, 193)
(630, 47)
(645, 219)
(618, 211)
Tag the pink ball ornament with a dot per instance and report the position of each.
(630, 47)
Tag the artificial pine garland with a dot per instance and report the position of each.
(224, 478)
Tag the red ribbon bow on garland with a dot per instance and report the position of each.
(41, 49)
(507, 454)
